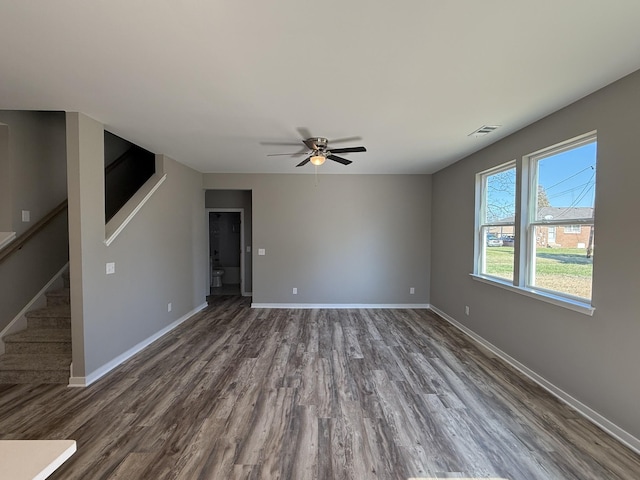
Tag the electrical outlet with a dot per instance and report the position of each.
(466, 309)
(412, 291)
(26, 216)
(295, 291)
(261, 251)
(111, 268)
(169, 307)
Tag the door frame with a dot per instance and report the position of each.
(227, 210)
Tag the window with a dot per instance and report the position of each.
(497, 221)
(573, 229)
(553, 254)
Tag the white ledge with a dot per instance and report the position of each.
(33, 459)
(133, 206)
(568, 303)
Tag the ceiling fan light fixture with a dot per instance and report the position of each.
(318, 159)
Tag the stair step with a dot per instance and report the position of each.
(50, 317)
(34, 376)
(39, 341)
(35, 362)
(58, 297)
(34, 368)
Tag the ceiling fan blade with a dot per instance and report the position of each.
(304, 132)
(348, 150)
(341, 160)
(294, 154)
(282, 144)
(310, 144)
(343, 140)
(304, 162)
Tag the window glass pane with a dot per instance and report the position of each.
(563, 263)
(500, 196)
(566, 184)
(498, 251)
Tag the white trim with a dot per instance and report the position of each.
(6, 238)
(587, 412)
(242, 245)
(19, 322)
(107, 367)
(548, 297)
(342, 305)
(121, 219)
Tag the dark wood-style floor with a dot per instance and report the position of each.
(314, 394)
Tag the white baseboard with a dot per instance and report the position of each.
(611, 428)
(19, 322)
(341, 305)
(107, 367)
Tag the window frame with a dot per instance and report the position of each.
(524, 227)
(480, 244)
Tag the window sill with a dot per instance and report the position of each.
(556, 300)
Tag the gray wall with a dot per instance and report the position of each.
(27, 271)
(37, 156)
(6, 215)
(160, 257)
(236, 199)
(32, 177)
(594, 359)
(360, 239)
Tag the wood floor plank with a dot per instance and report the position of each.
(241, 393)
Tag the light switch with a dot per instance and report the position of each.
(261, 251)
(26, 216)
(111, 268)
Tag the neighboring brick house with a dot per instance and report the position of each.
(565, 236)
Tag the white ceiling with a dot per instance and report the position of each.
(212, 83)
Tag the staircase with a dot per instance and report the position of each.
(42, 352)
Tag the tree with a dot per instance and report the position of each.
(543, 200)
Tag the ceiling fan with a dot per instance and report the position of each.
(319, 151)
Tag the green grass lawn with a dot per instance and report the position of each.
(566, 270)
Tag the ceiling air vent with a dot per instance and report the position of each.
(484, 130)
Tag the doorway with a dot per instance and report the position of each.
(226, 237)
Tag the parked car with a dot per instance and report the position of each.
(493, 241)
(508, 241)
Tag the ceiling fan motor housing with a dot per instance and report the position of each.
(319, 142)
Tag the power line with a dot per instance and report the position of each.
(570, 177)
(565, 192)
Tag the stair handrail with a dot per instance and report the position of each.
(19, 241)
(121, 159)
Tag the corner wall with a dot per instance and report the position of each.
(160, 257)
(592, 359)
(351, 239)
